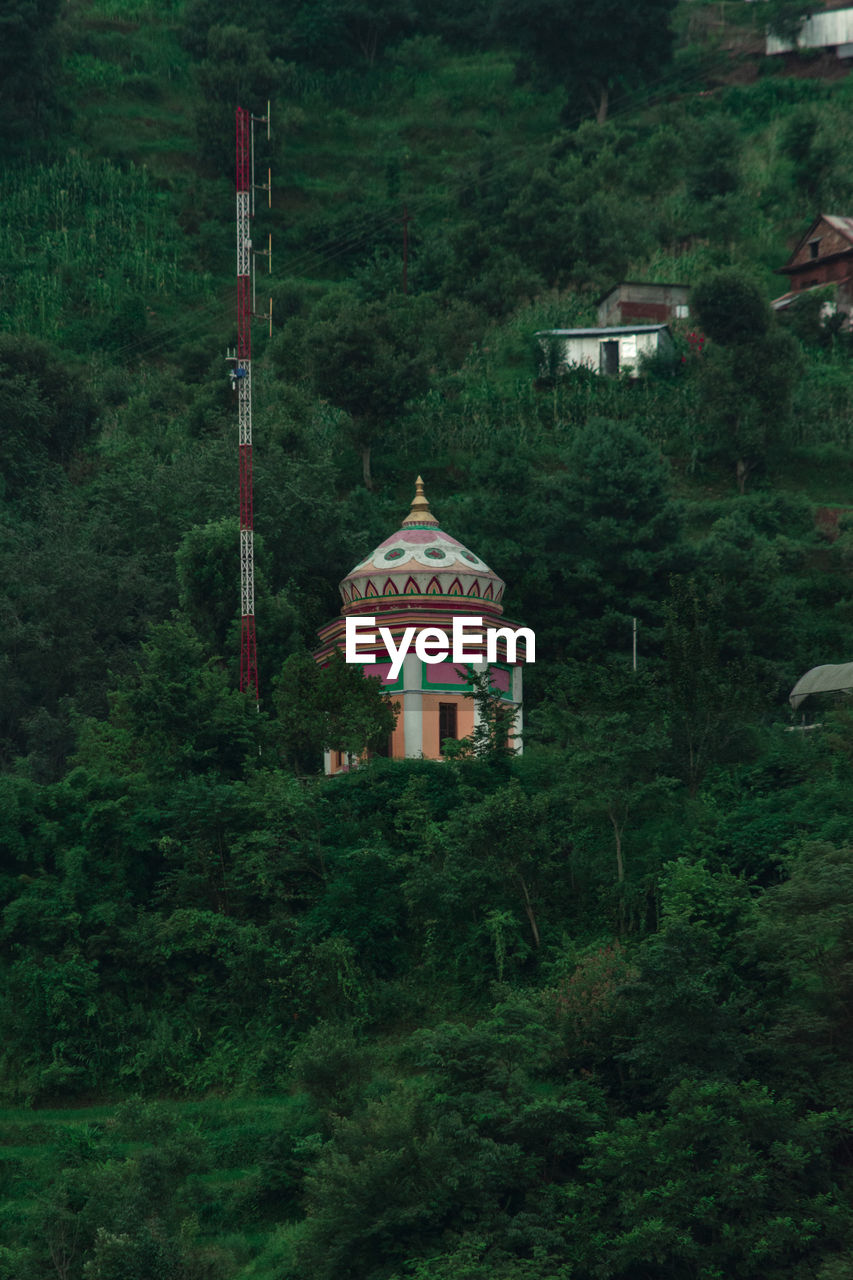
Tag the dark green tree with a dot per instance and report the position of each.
(208, 567)
(499, 856)
(28, 61)
(570, 220)
(335, 707)
(454, 1176)
(595, 46)
(746, 375)
(690, 1010)
(620, 529)
(730, 308)
(725, 1179)
(208, 572)
(611, 727)
(329, 34)
(176, 715)
(785, 18)
(711, 696)
(46, 413)
(494, 723)
(587, 544)
(236, 71)
(367, 360)
(713, 166)
(801, 944)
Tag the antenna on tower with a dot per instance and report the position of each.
(241, 379)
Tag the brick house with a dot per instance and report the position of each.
(823, 258)
(639, 301)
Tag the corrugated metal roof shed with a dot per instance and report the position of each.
(600, 333)
(786, 299)
(827, 679)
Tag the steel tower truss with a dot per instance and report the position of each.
(242, 377)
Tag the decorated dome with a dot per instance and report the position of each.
(420, 560)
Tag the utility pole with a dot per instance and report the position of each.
(241, 378)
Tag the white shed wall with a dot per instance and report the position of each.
(586, 351)
(821, 31)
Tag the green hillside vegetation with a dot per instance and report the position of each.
(582, 1014)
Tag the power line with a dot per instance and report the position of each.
(310, 261)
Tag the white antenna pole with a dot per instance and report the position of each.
(241, 375)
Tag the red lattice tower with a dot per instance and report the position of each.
(242, 377)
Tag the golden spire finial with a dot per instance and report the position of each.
(420, 512)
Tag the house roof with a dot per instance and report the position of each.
(653, 284)
(786, 299)
(844, 226)
(601, 333)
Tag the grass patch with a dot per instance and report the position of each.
(823, 474)
(207, 1150)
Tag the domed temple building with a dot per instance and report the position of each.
(422, 578)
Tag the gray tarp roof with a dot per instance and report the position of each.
(829, 679)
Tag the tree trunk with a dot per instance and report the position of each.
(617, 835)
(365, 467)
(692, 768)
(224, 902)
(599, 99)
(528, 907)
(742, 471)
(618, 828)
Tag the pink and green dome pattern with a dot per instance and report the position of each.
(421, 560)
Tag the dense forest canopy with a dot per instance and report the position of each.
(579, 1014)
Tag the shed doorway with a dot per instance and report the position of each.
(608, 357)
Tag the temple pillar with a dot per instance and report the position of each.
(413, 707)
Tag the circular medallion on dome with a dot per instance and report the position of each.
(435, 551)
(394, 554)
(471, 558)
